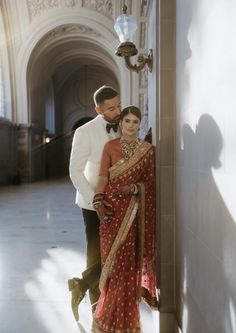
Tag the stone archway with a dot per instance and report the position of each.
(52, 32)
(55, 55)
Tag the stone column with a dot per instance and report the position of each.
(30, 149)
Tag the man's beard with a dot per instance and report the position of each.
(115, 120)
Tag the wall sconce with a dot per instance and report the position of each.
(47, 139)
(125, 27)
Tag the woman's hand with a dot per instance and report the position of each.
(104, 211)
(122, 192)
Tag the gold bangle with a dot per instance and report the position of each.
(97, 200)
(97, 204)
(133, 189)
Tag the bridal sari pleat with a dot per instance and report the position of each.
(128, 246)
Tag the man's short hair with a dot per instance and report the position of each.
(103, 93)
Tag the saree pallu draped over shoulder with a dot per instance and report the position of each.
(128, 245)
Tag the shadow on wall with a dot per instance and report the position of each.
(206, 236)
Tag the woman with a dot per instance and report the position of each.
(125, 203)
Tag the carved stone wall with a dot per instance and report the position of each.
(23, 152)
(30, 152)
(8, 168)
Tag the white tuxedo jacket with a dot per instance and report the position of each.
(86, 153)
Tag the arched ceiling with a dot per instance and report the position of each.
(63, 52)
(60, 56)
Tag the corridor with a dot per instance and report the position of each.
(42, 245)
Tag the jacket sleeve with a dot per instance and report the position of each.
(80, 152)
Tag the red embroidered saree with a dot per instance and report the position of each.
(128, 245)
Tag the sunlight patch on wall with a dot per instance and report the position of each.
(184, 295)
(232, 321)
(209, 79)
(211, 68)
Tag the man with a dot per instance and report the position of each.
(86, 152)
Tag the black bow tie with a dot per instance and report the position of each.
(113, 126)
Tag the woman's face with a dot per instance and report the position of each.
(130, 125)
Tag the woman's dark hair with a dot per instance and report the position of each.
(131, 109)
(103, 93)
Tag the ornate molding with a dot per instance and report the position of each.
(71, 29)
(144, 7)
(143, 105)
(104, 7)
(143, 78)
(37, 7)
(143, 35)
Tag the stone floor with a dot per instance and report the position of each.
(42, 245)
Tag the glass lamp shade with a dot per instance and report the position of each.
(125, 27)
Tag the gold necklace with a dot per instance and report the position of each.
(127, 148)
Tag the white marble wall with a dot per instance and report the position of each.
(206, 164)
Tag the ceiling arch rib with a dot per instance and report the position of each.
(83, 59)
(70, 50)
(58, 27)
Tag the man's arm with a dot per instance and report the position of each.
(80, 152)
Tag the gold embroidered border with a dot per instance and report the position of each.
(122, 165)
(141, 234)
(120, 238)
